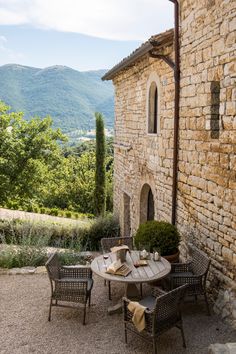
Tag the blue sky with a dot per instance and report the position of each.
(84, 35)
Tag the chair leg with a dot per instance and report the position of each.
(109, 290)
(84, 314)
(154, 345)
(126, 339)
(182, 333)
(207, 304)
(89, 299)
(141, 289)
(50, 310)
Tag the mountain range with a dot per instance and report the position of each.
(69, 96)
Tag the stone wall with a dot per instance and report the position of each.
(206, 210)
(207, 166)
(141, 157)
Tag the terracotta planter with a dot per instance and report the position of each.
(172, 258)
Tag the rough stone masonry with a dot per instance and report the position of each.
(206, 199)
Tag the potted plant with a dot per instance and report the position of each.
(159, 235)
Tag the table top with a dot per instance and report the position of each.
(154, 270)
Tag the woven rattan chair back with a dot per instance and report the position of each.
(108, 243)
(167, 309)
(53, 267)
(200, 262)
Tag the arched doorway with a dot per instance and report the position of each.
(147, 210)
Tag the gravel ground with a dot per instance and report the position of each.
(24, 327)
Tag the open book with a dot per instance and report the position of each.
(118, 268)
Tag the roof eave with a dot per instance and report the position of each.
(126, 62)
(146, 48)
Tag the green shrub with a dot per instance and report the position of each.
(54, 212)
(84, 236)
(35, 209)
(158, 234)
(42, 210)
(25, 233)
(76, 215)
(71, 258)
(29, 208)
(68, 214)
(107, 226)
(11, 204)
(22, 256)
(87, 216)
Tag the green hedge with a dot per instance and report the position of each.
(12, 257)
(85, 237)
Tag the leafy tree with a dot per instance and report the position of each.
(36, 170)
(100, 172)
(72, 186)
(28, 150)
(86, 150)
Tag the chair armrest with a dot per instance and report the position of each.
(180, 267)
(127, 313)
(158, 292)
(71, 280)
(75, 272)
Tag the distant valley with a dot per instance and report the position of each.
(69, 96)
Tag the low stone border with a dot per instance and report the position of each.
(228, 348)
(23, 270)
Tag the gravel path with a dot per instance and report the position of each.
(24, 215)
(24, 327)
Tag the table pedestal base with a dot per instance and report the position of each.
(118, 308)
(131, 292)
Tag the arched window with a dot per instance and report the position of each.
(153, 104)
(152, 109)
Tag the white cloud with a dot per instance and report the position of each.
(7, 53)
(111, 19)
(3, 39)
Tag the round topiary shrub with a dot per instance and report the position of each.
(54, 212)
(160, 235)
(42, 210)
(68, 214)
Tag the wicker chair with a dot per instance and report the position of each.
(193, 273)
(163, 312)
(108, 243)
(68, 283)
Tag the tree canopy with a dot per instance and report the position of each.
(36, 168)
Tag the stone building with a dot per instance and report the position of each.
(144, 130)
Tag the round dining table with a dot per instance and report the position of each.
(152, 272)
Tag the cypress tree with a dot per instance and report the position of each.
(100, 173)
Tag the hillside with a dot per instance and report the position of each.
(69, 96)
